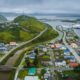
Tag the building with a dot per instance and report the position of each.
(62, 47)
(74, 45)
(47, 74)
(52, 46)
(42, 46)
(73, 64)
(60, 63)
(58, 45)
(68, 57)
(31, 78)
(32, 71)
(13, 43)
(67, 52)
(32, 56)
(1, 44)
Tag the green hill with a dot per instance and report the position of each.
(29, 23)
(13, 32)
(2, 19)
(24, 28)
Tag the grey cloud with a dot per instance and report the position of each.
(53, 6)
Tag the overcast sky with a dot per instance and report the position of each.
(40, 6)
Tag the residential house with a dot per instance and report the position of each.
(68, 57)
(31, 78)
(73, 64)
(32, 56)
(74, 45)
(52, 46)
(1, 44)
(32, 71)
(58, 45)
(60, 63)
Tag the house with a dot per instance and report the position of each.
(74, 45)
(42, 46)
(68, 29)
(32, 56)
(1, 44)
(73, 64)
(68, 57)
(16, 23)
(13, 43)
(52, 46)
(4, 49)
(32, 71)
(31, 78)
(67, 52)
(44, 49)
(58, 45)
(72, 60)
(62, 47)
(51, 78)
(47, 74)
(60, 63)
(36, 47)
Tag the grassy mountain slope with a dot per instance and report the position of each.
(16, 33)
(30, 23)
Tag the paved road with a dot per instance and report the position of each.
(24, 43)
(71, 49)
(52, 68)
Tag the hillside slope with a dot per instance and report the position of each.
(29, 23)
(24, 28)
(14, 32)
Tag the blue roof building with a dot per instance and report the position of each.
(42, 46)
(32, 71)
(67, 50)
(1, 44)
(69, 57)
(32, 56)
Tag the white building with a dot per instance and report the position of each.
(31, 78)
(60, 63)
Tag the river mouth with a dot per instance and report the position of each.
(4, 75)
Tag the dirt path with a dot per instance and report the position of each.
(12, 60)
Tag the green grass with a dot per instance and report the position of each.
(22, 74)
(71, 73)
(46, 57)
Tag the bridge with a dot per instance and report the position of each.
(6, 68)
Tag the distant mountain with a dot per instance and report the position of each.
(3, 19)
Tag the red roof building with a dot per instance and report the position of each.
(73, 64)
(52, 46)
(12, 43)
(58, 45)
